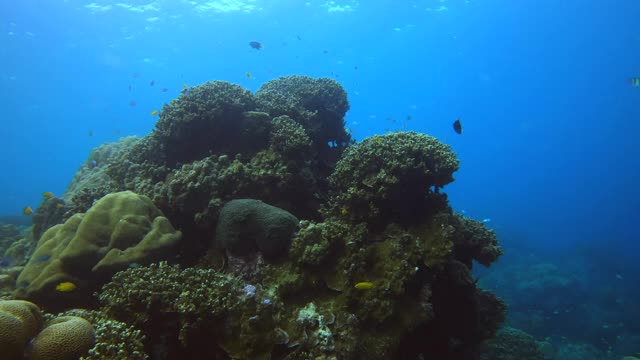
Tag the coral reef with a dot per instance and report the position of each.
(119, 230)
(379, 267)
(511, 343)
(391, 178)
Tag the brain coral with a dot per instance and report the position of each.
(247, 225)
(391, 178)
(19, 322)
(120, 229)
(65, 337)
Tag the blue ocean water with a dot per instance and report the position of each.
(548, 153)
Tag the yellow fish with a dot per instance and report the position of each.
(344, 212)
(365, 285)
(66, 286)
(249, 75)
(59, 206)
(48, 195)
(27, 210)
(154, 112)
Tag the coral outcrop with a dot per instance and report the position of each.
(119, 230)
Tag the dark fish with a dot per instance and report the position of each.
(255, 45)
(457, 126)
(130, 87)
(133, 103)
(92, 164)
(164, 90)
(325, 51)
(298, 37)
(135, 75)
(90, 132)
(355, 67)
(153, 82)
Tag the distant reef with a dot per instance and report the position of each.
(252, 226)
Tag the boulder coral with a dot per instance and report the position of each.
(19, 322)
(63, 338)
(23, 334)
(119, 230)
(248, 225)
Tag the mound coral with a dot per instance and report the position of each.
(22, 332)
(247, 225)
(119, 230)
(64, 337)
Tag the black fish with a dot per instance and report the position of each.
(164, 89)
(130, 87)
(153, 82)
(256, 45)
(457, 126)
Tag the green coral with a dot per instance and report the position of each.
(197, 300)
(508, 344)
(474, 241)
(247, 225)
(318, 104)
(209, 117)
(120, 229)
(391, 178)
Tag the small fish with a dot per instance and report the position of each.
(48, 195)
(355, 67)
(154, 112)
(457, 126)
(59, 206)
(92, 163)
(130, 87)
(344, 212)
(249, 75)
(90, 132)
(134, 265)
(42, 258)
(185, 89)
(133, 103)
(298, 37)
(635, 81)
(365, 285)
(135, 75)
(255, 45)
(66, 286)
(27, 210)
(409, 118)
(153, 82)
(325, 51)
(164, 90)
(487, 220)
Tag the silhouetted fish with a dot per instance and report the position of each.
(256, 45)
(133, 103)
(164, 90)
(153, 82)
(457, 126)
